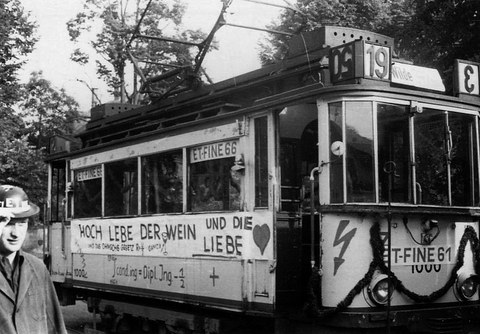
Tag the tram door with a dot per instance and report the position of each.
(298, 155)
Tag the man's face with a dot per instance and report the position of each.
(13, 236)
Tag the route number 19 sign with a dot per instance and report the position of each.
(360, 59)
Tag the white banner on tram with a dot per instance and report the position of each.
(237, 235)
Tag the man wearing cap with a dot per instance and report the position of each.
(28, 302)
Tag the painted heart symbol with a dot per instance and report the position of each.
(261, 236)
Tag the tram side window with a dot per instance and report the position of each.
(444, 155)
(261, 162)
(121, 188)
(58, 194)
(393, 152)
(214, 184)
(88, 192)
(336, 162)
(359, 152)
(463, 158)
(162, 183)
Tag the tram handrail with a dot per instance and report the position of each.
(312, 216)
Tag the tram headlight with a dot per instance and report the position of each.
(380, 289)
(466, 285)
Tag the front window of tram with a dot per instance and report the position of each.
(443, 170)
(445, 148)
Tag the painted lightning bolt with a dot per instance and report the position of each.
(345, 239)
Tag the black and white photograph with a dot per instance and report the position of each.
(239, 166)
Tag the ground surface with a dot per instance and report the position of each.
(77, 316)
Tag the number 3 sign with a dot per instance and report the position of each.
(466, 77)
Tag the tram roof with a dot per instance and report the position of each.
(295, 76)
(307, 55)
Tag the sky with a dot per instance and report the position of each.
(237, 54)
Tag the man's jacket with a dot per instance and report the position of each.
(37, 310)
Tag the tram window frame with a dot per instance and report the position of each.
(393, 145)
(170, 185)
(359, 137)
(297, 155)
(344, 186)
(439, 189)
(213, 185)
(69, 191)
(58, 179)
(88, 192)
(261, 161)
(121, 188)
(336, 163)
(405, 190)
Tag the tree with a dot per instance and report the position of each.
(430, 33)
(22, 164)
(374, 15)
(47, 111)
(439, 32)
(20, 161)
(16, 40)
(119, 20)
(41, 112)
(29, 113)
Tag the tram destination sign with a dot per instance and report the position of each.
(364, 60)
(90, 173)
(417, 76)
(213, 151)
(360, 59)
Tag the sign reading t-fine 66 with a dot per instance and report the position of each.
(467, 77)
(360, 59)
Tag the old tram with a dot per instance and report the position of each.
(337, 191)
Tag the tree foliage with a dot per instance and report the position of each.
(29, 113)
(41, 112)
(431, 33)
(373, 15)
(441, 31)
(22, 164)
(16, 40)
(47, 111)
(119, 20)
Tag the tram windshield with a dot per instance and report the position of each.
(429, 156)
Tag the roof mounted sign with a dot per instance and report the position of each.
(360, 59)
(417, 76)
(366, 60)
(466, 78)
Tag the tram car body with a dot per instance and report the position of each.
(337, 190)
